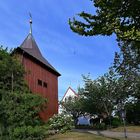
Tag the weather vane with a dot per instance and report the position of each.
(30, 23)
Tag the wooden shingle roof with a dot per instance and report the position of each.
(30, 47)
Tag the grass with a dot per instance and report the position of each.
(88, 136)
(135, 129)
(78, 136)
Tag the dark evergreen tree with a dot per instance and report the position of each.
(19, 108)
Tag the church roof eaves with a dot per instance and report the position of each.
(30, 47)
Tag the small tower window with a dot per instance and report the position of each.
(45, 84)
(39, 82)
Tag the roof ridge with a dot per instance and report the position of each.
(30, 46)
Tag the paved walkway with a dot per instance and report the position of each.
(111, 134)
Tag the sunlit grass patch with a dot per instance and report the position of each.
(135, 129)
(77, 136)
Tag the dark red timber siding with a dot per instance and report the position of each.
(41, 76)
(36, 74)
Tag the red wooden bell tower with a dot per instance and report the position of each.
(41, 76)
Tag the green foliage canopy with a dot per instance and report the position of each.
(127, 65)
(19, 108)
(100, 95)
(96, 96)
(11, 72)
(121, 17)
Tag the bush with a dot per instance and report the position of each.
(113, 121)
(116, 122)
(28, 133)
(19, 117)
(100, 126)
(60, 123)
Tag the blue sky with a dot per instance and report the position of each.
(72, 55)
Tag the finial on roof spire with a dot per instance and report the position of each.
(30, 23)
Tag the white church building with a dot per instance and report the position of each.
(70, 93)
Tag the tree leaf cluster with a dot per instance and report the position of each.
(19, 108)
(96, 96)
(11, 72)
(121, 17)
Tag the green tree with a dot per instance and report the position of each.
(127, 65)
(19, 108)
(99, 96)
(121, 17)
(127, 62)
(11, 72)
(73, 106)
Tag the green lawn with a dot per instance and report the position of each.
(135, 129)
(87, 136)
(77, 136)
